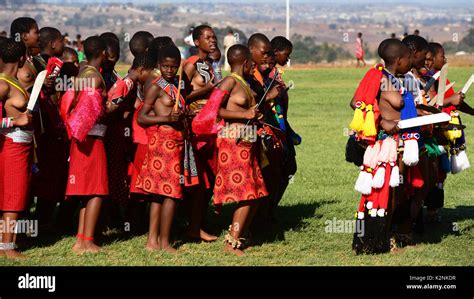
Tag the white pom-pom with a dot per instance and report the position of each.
(364, 183)
(373, 213)
(360, 215)
(379, 178)
(462, 156)
(455, 168)
(395, 177)
(369, 205)
(381, 212)
(459, 162)
(442, 149)
(410, 152)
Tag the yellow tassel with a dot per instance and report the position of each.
(357, 122)
(452, 135)
(369, 124)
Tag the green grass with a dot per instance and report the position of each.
(322, 189)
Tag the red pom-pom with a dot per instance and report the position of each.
(416, 179)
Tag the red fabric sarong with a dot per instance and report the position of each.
(359, 49)
(239, 176)
(162, 167)
(136, 167)
(87, 168)
(15, 173)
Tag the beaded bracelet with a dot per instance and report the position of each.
(7, 122)
(7, 246)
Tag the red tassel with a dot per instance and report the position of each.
(363, 199)
(367, 92)
(369, 87)
(361, 209)
(415, 178)
(384, 192)
(373, 198)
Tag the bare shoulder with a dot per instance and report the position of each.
(227, 84)
(152, 91)
(4, 85)
(96, 81)
(149, 82)
(4, 89)
(190, 70)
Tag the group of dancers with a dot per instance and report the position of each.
(407, 136)
(76, 137)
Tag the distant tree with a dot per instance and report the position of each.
(450, 47)
(468, 41)
(466, 44)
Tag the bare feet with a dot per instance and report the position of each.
(169, 249)
(91, 247)
(230, 249)
(13, 254)
(394, 246)
(152, 246)
(85, 246)
(203, 236)
(77, 245)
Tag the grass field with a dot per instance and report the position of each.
(322, 189)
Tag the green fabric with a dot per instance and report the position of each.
(81, 56)
(431, 147)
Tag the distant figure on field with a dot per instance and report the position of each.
(360, 49)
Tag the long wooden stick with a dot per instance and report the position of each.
(259, 103)
(176, 104)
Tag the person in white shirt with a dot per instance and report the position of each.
(188, 40)
(229, 41)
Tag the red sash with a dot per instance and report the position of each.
(171, 90)
(139, 133)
